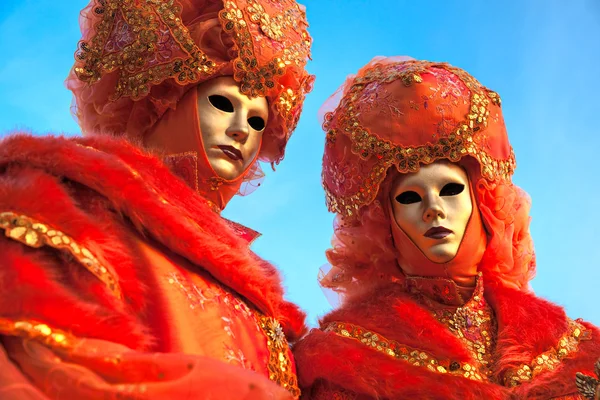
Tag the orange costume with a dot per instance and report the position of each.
(464, 328)
(119, 278)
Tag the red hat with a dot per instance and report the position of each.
(137, 58)
(404, 114)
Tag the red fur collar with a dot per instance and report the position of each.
(139, 187)
(527, 327)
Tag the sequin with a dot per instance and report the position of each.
(35, 234)
(475, 325)
(463, 140)
(551, 359)
(255, 80)
(156, 22)
(36, 331)
(415, 357)
(280, 363)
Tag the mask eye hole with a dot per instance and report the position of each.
(221, 103)
(452, 189)
(408, 197)
(257, 123)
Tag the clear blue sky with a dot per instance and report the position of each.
(542, 56)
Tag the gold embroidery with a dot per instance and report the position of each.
(280, 364)
(461, 142)
(158, 26)
(270, 26)
(36, 331)
(550, 359)
(399, 351)
(475, 325)
(258, 80)
(35, 234)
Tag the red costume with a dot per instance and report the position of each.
(399, 335)
(119, 278)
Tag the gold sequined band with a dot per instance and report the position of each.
(402, 352)
(258, 81)
(36, 331)
(549, 360)
(94, 59)
(35, 234)
(280, 365)
(457, 145)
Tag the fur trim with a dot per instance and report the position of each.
(527, 327)
(126, 182)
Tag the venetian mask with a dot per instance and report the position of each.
(231, 125)
(433, 207)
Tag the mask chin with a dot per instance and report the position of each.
(462, 267)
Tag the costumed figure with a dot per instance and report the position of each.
(118, 277)
(432, 254)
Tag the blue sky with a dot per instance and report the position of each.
(541, 56)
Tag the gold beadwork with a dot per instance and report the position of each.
(35, 234)
(38, 331)
(258, 80)
(549, 360)
(402, 352)
(456, 145)
(474, 324)
(280, 364)
(152, 20)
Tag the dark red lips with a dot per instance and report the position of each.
(231, 152)
(438, 232)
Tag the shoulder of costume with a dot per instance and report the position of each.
(80, 189)
(537, 335)
(361, 368)
(385, 330)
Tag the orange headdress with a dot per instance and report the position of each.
(402, 114)
(137, 58)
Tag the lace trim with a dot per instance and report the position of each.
(35, 234)
(549, 360)
(402, 352)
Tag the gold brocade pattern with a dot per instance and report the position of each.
(402, 352)
(460, 142)
(159, 29)
(280, 364)
(36, 331)
(549, 360)
(35, 234)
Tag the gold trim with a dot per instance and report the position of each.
(549, 360)
(38, 331)
(94, 59)
(402, 352)
(280, 364)
(366, 145)
(258, 80)
(36, 234)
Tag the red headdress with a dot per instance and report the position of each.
(402, 114)
(137, 58)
